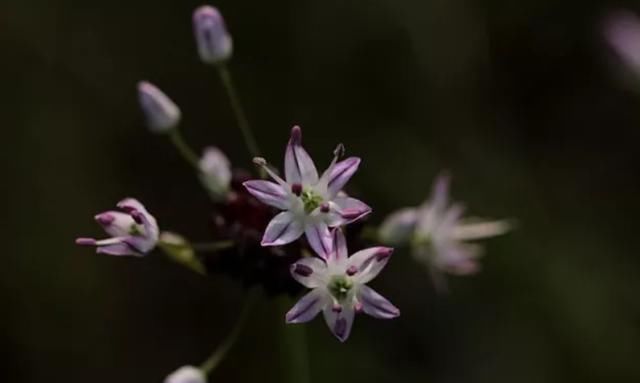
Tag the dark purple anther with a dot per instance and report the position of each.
(337, 308)
(296, 135)
(352, 270)
(296, 189)
(302, 270)
(324, 208)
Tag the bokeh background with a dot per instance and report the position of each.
(522, 101)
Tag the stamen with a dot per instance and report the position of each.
(358, 307)
(137, 216)
(302, 270)
(324, 208)
(339, 150)
(296, 189)
(337, 308)
(264, 165)
(352, 270)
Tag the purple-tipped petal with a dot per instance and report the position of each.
(479, 230)
(457, 258)
(340, 252)
(339, 321)
(320, 238)
(116, 223)
(269, 193)
(85, 241)
(282, 229)
(369, 262)
(118, 249)
(440, 193)
(341, 173)
(298, 165)
(307, 307)
(375, 304)
(351, 209)
(309, 271)
(398, 227)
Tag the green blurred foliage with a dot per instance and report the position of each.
(522, 101)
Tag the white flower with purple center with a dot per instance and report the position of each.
(437, 232)
(133, 230)
(339, 287)
(310, 204)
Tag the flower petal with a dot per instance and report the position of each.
(340, 174)
(307, 307)
(116, 223)
(320, 238)
(142, 217)
(282, 229)
(121, 248)
(309, 271)
(470, 231)
(350, 209)
(298, 165)
(369, 262)
(340, 253)
(339, 322)
(457, 258)
(375, 304)
(398, 227)
(269, 193)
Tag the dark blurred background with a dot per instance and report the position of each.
(523, 101)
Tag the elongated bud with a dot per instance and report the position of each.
(186, 374)
(215, 172)
(161, 114)
(213, 40)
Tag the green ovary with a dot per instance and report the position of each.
(310, 200)
(339, 287)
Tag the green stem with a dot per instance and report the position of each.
(184, 149)
(214, 360)
(296, 357)
(241, 117)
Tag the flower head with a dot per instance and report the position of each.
(437, 232)
(311, 204)
(339, 287)
(133, 230)
(213, 40)
(186, 374)
(161, 114)
(215, 172)
(622, 31)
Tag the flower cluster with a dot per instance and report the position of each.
(291, 231)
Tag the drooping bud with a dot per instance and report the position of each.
(214, 42)
(186, 374)
(161, 114)
(215, 172)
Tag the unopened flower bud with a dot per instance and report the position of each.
(215, 172)
(161, 114)
(213, 39)
(186, 374)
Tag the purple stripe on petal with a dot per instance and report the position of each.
(302, 270)
(268, 193)
(306, 308)
(341, 173)
(376, 305)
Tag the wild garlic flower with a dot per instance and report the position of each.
(310, 204)
(161, 114)
(215, 172)
(339, 287)
(186, 374)
(622, 31)
(437, 232)
(213, 40)
(133, 230)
